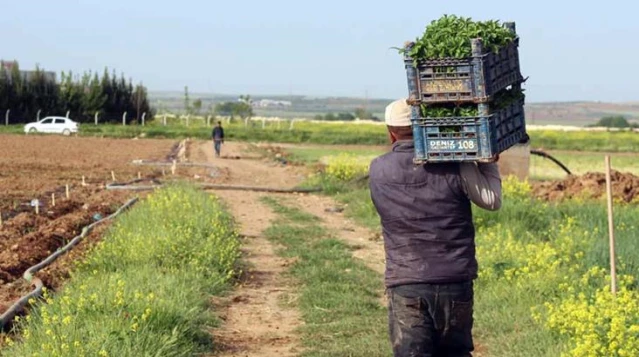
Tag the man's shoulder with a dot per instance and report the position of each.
(389, 163)
(380, 160)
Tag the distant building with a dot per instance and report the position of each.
(7, 66)
(269, 103)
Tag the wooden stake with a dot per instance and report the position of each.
(173, 168)
(67, 191)
(0, 219)
(139, 175)
(37, 206)
(113, 176)
(84, 183)
(53, 199)
(611, 229)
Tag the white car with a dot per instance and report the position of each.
(56, 125)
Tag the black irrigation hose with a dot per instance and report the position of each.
(169, 164)
(157, 184)
(127, 186)
(260, 189)
(37, 283)
(543, 154)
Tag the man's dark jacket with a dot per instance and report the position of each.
(218, 133)
(426, 219)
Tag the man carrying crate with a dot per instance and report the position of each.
(429, 240)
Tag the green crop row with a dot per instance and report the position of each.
(143, 291)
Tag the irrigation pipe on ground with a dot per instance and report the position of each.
(127, 186)
(160, 163)
(547, 156)
(157, 184)
(28, 275)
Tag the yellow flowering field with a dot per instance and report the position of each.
(345, 166)
(544, 280)
(144, 289)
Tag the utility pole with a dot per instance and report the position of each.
(138, 111)
(366, 101)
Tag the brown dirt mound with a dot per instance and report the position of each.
(592, 185)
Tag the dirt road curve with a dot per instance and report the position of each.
(256, 321)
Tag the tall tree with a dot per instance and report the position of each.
(5, 87)
(26, 93)
(94, 97)
(197, 106)
(70, 95)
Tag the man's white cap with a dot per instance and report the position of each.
(398, 113)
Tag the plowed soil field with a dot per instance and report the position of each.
(35, 167)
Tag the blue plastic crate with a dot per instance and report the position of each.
(459, 139)
(475, 79)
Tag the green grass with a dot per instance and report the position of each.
(585, 140)
(12, 129)
(309, 155)
(144, 290)
(339, 297)
(291, 214)
(343, 134)
(303, 132)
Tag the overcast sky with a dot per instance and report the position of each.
(570, 51)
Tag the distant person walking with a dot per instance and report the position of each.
(218, 138)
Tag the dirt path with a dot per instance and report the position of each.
(367, 244)
(256, 323)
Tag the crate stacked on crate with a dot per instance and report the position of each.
(466, 95)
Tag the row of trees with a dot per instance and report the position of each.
(82, 96)
(241, 109)
(360, 113)
(615, 121)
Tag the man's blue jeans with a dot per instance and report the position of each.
(217, 145)
(431, 320)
